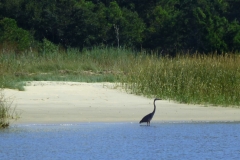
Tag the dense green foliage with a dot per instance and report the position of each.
(11, 35)
(168, 26)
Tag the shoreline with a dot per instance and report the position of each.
(48, 102)
(65, 123)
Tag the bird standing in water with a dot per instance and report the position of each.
(149, 117)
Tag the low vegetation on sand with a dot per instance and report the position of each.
(188, 78)
(95, 65)
(7, 112)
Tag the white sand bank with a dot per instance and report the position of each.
(66, 102)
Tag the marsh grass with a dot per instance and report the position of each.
(95, 65)
(7, 111)
(199, 79)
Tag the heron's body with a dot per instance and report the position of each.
(149, 117)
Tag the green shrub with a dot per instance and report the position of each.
(12, 37)
(48, 48)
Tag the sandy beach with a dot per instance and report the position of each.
(73, 102)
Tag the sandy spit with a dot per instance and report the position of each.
(74, 102)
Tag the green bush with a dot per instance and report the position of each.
(11, 36)
(48, 48)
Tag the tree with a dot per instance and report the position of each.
(166, 25)
(163, 31)
(132, 29)
(232, 36)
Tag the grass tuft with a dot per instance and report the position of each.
(7, 112)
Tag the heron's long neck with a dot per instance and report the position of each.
(154, 107)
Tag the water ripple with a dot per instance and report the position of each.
(121, 141)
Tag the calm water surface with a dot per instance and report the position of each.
(121, 141)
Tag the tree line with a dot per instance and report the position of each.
(163, 25)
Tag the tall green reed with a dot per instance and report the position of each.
(201, 79)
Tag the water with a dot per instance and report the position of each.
(122, 141)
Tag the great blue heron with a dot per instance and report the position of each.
(148, 117)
